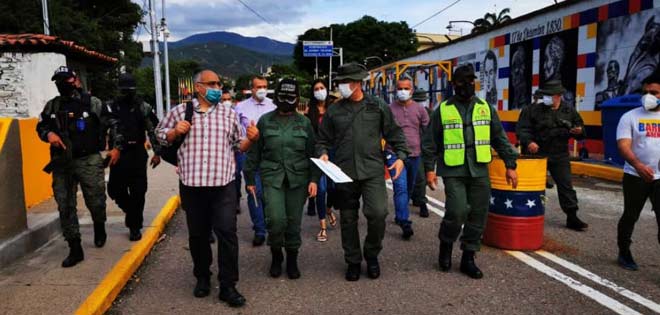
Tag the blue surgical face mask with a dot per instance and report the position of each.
(213, 96)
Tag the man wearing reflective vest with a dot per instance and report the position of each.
(462, 130)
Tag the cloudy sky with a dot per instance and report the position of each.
(289, 18)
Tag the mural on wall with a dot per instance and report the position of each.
(628, 52)
(520, 76)
(558, 61)
(488, 77)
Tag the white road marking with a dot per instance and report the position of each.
(588, 291)
(595, 295)
(604, 282)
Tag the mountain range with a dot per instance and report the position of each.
(258, 44)
(230, 54)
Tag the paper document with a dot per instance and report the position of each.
(333, 171)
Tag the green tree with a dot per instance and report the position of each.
(104, 26)
(360, 39)
(491, 20)
(144, 80)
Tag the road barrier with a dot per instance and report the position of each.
(516, 216)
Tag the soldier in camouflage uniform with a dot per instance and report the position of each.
(75, 124)
(128, 178)
(544, 129)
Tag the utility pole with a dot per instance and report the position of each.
(44, 12)
(166, 60)
(316, 71)
(330, 73)
(154, 49)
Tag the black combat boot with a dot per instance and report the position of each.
(406, 230)
(276, 262)
(99, 234)
(423, 210)
(76, 254)
(203, 287)
(292, 264)
(134, 235)
(373, 268)
(444, 258)
(574, 223)
(231, 296)
(353, 272)
(468, 266)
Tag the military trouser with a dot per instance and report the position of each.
(419, 191)
(466, 205)
(283, 214)
(374, 195)
(559, 166)
(127, 185)
(88, 172)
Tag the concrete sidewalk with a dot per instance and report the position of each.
(37, 284)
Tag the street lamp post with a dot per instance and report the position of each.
(373, 57)
(450, 26)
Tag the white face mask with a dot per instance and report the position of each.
(345, 90)
(547, 100)
(403, 95)
(424, 104)
(228, 104)
(321, 94)
(261, 94)
(650, 102)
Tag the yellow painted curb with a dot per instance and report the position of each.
(105, 293)
(598, 171)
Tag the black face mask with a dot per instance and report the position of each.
(65, 89)
(464, 91)
(285, 107)
(127, 94)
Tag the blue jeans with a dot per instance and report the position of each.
(403, 186)
(257, 209)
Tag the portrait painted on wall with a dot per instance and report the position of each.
(559, 61)
(628, 52)
(520, 75)
(488, 77)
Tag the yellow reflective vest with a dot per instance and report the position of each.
(453, 139)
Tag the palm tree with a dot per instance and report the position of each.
(491, 20)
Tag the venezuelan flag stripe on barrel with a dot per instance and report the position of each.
(516, 216)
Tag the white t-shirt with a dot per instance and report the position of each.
(643, 127)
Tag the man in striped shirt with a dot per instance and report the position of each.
(206, 171)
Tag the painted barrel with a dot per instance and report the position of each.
(516, 216)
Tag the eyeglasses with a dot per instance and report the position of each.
(211, 83)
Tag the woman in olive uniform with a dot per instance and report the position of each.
(282, 156)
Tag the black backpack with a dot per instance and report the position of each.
(169, 153)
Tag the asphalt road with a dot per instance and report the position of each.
(576, 273)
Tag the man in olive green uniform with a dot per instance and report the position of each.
(418, 196)
(544, 129)
(282, 156)
(354, 127)
(75, 124)
(462, 131)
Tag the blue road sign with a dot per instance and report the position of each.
(317, 48)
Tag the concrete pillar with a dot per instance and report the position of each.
(13, 217)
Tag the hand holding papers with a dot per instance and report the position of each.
(332, 171)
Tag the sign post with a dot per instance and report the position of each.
(318, 49)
